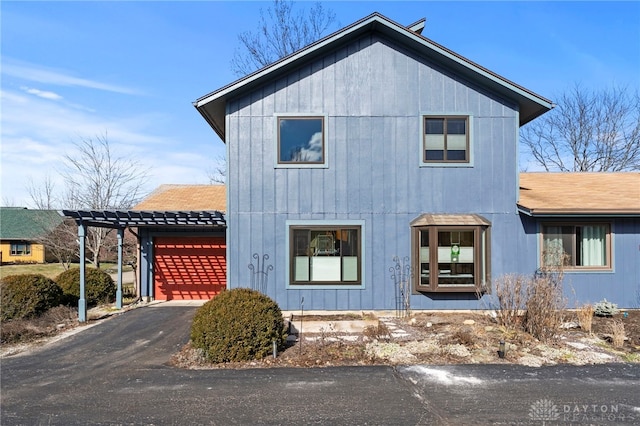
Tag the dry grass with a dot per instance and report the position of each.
(618, 336)
(585, 317)
(48, 324)
(535, 304)
(545, 307)
(377, 332)
(510, 291)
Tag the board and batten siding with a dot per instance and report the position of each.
(620, 285)
(373, 94)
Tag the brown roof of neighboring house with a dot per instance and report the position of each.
(580, 193)
(185, 198)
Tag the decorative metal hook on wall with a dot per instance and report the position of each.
(260, 273)
(401, 275)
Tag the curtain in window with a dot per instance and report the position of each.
(553, 249)
(592, 248)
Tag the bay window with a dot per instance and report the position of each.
(451, 253)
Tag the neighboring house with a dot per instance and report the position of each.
(22, 231)
(182, 259)
(376, 142)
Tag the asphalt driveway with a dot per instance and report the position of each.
(116, 373)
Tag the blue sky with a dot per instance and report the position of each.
(74, 70)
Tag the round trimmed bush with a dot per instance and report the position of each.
(99, 286)
(238, 325)
(27, 296)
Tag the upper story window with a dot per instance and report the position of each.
(576, 246)
(302, 141)
(446, 139)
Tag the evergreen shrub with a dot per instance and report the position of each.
(99, 286)
(238, 325)
(605, 308)
(27, 296)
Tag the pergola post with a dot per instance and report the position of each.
(82, 302)
(119, 290)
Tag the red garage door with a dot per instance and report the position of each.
(189, 268)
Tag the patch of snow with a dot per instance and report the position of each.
(578, 345)
(444, 377)
(569, 325)
(308, 384)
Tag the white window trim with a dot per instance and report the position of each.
(311, 223)
(423, 115)
(323, 165)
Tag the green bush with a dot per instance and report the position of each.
(605, 308)
(238, 325)
(27, 296)
(99, 286)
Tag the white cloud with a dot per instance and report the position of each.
(39, 74)
(37, 134)
(42, 93)
(313, 150)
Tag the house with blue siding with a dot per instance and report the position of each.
(376, 148)
(593, 221)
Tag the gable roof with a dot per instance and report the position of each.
(586, 194)
(185, 198)
(20, 223)
(213, 106)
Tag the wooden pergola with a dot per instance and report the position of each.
(122, 219)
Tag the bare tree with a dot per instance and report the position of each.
(96, 179)
(9, 202)
(588, 131)
(217, 174)
(60, 241)
(43, 195)
(280, 32)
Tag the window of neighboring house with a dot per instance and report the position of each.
(576, 246)
(20, 249)
(325, 255)
(451, 258)
(301, 141)
(446, 139)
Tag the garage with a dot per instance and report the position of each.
(181, 250)
(189, 268)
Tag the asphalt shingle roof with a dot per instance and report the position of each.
(580, 193)
(185, 198)
(18, 223)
